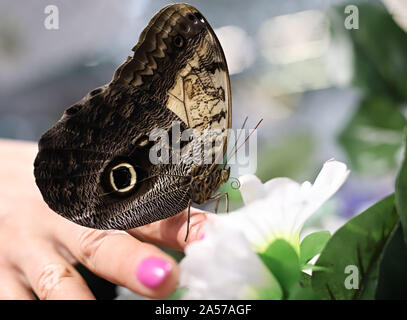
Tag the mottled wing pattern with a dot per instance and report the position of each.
(201, 94)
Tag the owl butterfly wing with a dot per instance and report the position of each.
(200, 94)
(93, 165)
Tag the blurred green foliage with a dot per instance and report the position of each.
(373, 136)
(380, 53)
(401, 190)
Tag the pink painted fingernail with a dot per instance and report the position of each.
(152, 271)
(202, 236)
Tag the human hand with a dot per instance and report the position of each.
(39, 248)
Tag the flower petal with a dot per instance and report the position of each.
(333, 174)
(285, 207)
(223, 266)
(251, 188)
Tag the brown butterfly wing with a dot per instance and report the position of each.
(111, 125)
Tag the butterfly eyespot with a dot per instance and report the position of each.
(178, 41)
(72, 110)
(123, 177)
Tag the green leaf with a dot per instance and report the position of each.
(303, 289)
(283, 262)
(358, 243)
(314, 268)
(312, 245)
(373, 136)
(392, 270)
(401, 190)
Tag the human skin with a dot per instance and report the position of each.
(39, 248)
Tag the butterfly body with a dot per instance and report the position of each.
(94, 165)
(204, 184)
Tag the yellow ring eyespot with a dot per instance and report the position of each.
(178, 41)
(123, 177)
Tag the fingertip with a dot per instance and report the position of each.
(158, 275)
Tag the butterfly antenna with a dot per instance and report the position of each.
(238, 138)
(247, 138)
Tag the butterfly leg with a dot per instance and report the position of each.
(218, 197)
(188, 219)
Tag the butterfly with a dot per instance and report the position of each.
(94, 165)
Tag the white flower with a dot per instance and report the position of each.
(225, 265)
(280, 207)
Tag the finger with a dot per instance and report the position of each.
(122, 259)
(12, 286)
(171, 232)
(52, 277)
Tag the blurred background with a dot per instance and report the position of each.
(324, 90)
